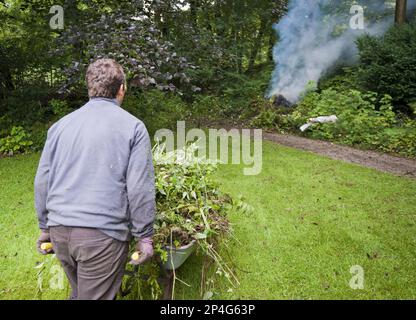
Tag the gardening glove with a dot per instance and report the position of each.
(44, 238)
(144, 249)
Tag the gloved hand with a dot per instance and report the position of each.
(44, 237)
(145, 249)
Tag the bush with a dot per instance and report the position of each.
(364, 119)
(358, 116)
(18, 141)
(399, 140)
(59, 108)
(267, 119)
(206, 106)
(26, 105)
(156, 109)
(388, 63)
(38, 132)
(5, 124)
(341, 79)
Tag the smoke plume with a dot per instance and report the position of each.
(316, 35)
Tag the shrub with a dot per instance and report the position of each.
(25, 105)
(364, 119)
(5, 124)
(156, 109)
(388, 63)
(38, 133)
(59, 108)
(399, 140)
(206, 106)
(18, 141)
(341, 79)
(359, 119)
(266, 119)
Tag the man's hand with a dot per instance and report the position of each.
(144, 248)
(44, 238)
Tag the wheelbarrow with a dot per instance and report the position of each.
(176, 258)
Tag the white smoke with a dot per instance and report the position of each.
(307, 46)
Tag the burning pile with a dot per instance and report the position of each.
(281, 101)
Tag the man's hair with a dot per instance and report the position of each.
(104, 78)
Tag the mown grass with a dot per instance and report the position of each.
(313, 219)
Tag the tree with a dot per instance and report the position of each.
(127, 34)
(401, 6)
(387, 63)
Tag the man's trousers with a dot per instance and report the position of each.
(93, 261)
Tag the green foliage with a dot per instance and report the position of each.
(207, 107)
(365, 119)
(225, 36)
(25, 105)
(190, 205)
(38, 133)
(59, 108)
(31, 111)
(387, 64)
(156, 109)
(18, 141)
(5, 124)
(400, 140)
(342, 79)
(235, 99)
(216, 46)
(190, 208)
(267, 119)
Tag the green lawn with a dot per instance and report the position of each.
(313, 219)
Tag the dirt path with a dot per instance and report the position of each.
(371, 159)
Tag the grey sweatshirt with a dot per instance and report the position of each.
(96, 171)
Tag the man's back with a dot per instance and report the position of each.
(88, 156)
(95, 187)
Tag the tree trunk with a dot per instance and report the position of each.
(401, 6)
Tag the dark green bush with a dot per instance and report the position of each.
(38, 133)
(25, 106)
(59, 108)
(388, 64)
(341, 79)
(156, 109)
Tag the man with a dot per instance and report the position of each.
(94, 187)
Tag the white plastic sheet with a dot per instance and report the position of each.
(322, 119)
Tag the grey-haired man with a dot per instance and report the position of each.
(94, 187)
